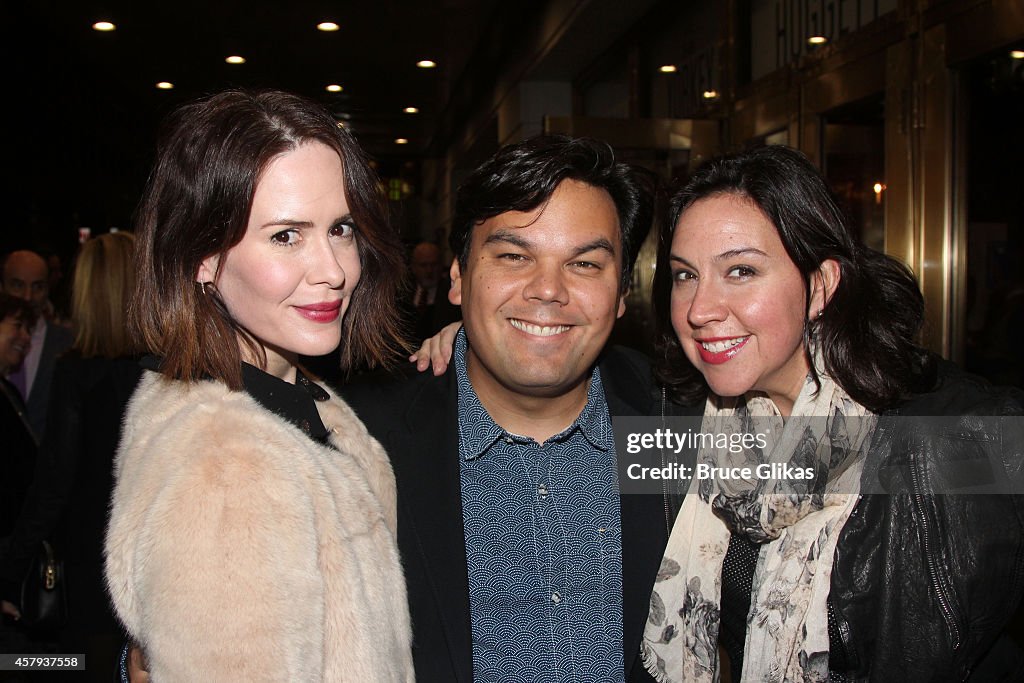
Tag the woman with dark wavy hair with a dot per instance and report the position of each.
(252, 529)
(781, 323)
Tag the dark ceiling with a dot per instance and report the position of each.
(86, 109)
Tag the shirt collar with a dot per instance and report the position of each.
(478, 431)
(295, 403)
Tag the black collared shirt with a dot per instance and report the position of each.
(295, 403)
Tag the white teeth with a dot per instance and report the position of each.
(537, 330)
(719, 346)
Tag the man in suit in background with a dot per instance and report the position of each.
(429, 308)
(523, 561)
(25, 275)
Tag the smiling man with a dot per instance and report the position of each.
(522, 559)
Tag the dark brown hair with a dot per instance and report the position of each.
(867, 331)
(197, 203)
(18, 308)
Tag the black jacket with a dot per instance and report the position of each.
(923, 585)
(17, 457)
(70, 496)
(417, 422)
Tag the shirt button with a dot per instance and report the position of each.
(542, 489)
(556, 598)
(508, 439)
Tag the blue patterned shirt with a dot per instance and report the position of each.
(543, 544)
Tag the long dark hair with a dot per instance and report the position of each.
(197, 204)
(867, 330)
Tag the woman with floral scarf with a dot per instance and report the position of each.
(785, 325)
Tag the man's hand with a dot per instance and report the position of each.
(436, 351)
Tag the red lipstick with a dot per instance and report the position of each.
(326, 312)
(719, 357)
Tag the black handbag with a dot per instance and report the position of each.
(44, 605)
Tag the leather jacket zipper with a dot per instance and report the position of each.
(945, 604)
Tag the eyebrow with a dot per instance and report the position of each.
(294, 223)
(506, 236)
(724, 256)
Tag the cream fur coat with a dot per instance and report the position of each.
(241, 550)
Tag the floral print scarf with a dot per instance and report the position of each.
(797, 521)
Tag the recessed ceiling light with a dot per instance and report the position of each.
(165, 85)
(334, 87)
(817, 40)
(235, 59)
(710, 94)
(1017, 54)
(327, 26)
(667, 68)
(103, 26)
(426, 64)
(411, 110)
(401, 141)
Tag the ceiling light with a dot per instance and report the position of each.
(411, 110)
(103, 26)
(817, 40)
(235, 59)
(401, 141)
(334, 87)
(710, 94)
(327, 26)
(1017, 54)
(667, 68)
(165, 85)
(426, 64)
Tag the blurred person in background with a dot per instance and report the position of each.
(60, 289)
(26, 276)
(68, 501)
(19, 443)
(18, 452)
(428, 306)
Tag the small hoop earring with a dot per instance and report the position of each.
(202, 286)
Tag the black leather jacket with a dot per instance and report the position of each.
(923, 585)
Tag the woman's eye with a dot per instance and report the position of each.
(344, 230)
(741, 271)
(681, 276)
(285, 237)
